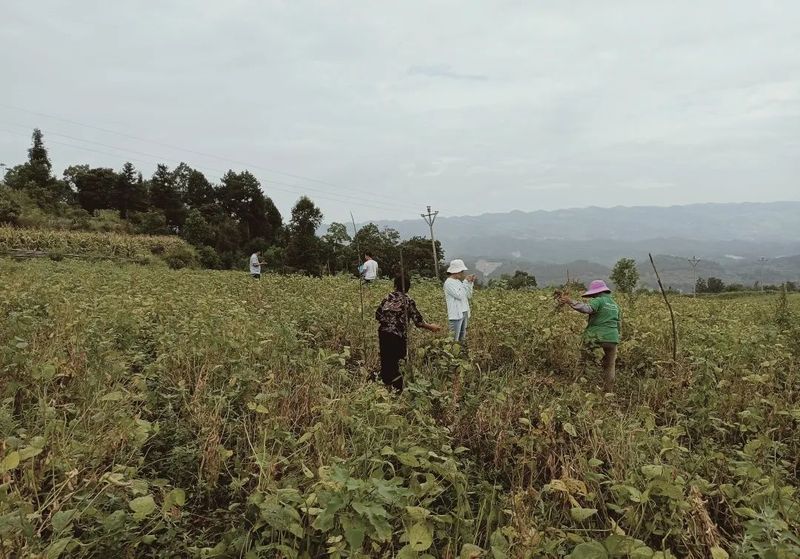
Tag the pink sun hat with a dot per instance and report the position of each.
(597, 286)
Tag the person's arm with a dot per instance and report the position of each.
(579, 306)
(456, 290)
(469, 285)
(416, 317)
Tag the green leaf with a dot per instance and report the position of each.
(177, 496)
(142, 506)
(408, 459)
(579, 514)
(29, 452)
(653, 471)
(643, 552)
(569, 428)
(56, 548)
(499, 544)
(10, 462)
(376, 515)
(589, 550)
(62, 520)
(420, 536)
(406, 553)
(114, 521)
(354, 535)
(718, 553)
(115, 396)
(470, 551)
(418, 513)
(745, 511)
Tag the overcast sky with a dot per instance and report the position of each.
(389, 106)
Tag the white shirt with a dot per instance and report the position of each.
(457, 295)
(370, 270)
(255, 265)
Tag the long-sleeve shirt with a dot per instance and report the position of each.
(393, 312)
(604, 318)
(457, 295)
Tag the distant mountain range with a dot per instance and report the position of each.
(730, 239)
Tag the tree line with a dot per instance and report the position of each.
(716, 285)
(225, 222)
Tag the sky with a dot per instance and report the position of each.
(383, 108)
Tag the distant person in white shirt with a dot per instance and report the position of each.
(369, 269)
(255, 264)
(457, 293)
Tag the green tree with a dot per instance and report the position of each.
(34, 176)
(164, 196)
(625, 276)
(521, 280)
(130, 193)
(715, 285)
(39, 160)
(418, 257)
(701, 286)
(94, 187)
(336, 247)
(242, 199)
(151, 222)
(197, 230)
(303, 247)
(195, 188)
(9, 208)
(382, 243)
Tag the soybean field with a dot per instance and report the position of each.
(149, 412)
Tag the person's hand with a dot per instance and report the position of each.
(564, 299)
(434, 328)
(471, 278)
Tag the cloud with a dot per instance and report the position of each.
(470, 107)
(444, 71)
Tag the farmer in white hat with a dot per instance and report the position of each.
(602, 330)
(457, 293)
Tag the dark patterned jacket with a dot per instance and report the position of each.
(391, 314)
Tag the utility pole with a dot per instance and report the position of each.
(694, 261)
(763, 260)
(430, 218)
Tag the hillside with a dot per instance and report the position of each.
(729, 238)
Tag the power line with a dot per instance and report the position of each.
(272, 183)
(187, 150)
(346, 198)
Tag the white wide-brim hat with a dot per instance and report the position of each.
(457, 266)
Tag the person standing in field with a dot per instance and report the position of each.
(255, 264)
(369, 269)
(602, 329)
(457, 293)
(393, 315)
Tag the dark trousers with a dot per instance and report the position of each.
(393, 348)
(608, 361)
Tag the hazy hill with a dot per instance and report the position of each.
(729, 238)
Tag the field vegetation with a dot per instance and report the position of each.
(142, 249)
(148, 412)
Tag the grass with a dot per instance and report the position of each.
(156, 413)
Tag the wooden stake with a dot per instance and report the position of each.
(671, 314)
